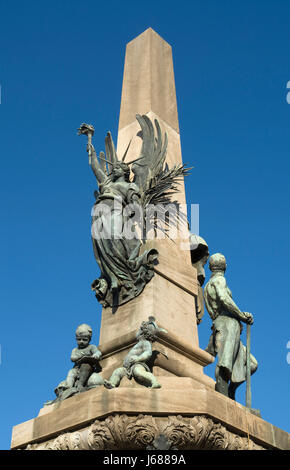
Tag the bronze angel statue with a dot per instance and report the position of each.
(125, 271)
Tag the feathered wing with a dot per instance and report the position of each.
(111, 155)
(152, 155)
(158, 182)
(101, 166)
(98, 166)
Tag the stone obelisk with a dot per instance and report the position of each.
(186, 413)
(149, 88)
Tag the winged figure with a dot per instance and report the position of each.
(124, 270)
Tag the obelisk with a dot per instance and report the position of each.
(186, 413)
(149, 88)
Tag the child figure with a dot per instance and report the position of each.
(135, 363)
(86, 358)
(83, 375)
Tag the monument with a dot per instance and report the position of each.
(152, 391)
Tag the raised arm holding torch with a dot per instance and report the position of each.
(88, 130)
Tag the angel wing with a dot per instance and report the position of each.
(100, 165)
(153, 152)
(158, 182)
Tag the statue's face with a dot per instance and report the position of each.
(83, 340)
(119, 172)
(200, 269)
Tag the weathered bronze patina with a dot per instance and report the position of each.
(124, 271)
(225, 340)
(136, 364)
(84, 375)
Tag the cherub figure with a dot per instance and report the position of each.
(136, 362)
(86, 358)
(59, 390)
(83, 375)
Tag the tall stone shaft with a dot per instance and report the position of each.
(148, 83)
(149, 88)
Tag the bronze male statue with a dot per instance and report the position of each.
(226, 330)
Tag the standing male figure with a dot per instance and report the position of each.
(225, 340)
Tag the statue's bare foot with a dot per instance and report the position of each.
(108, 384)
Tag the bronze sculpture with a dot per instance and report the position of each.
(135, 364)
(226, 330)
(124, 271)
(84, 375)
(199, 255)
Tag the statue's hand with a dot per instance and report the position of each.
(86, 129)
(133, 359)
(97, 355)
(249, 318)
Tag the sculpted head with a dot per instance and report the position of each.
(217, 262)
(199, 255)
(83, 335)
(120, 169)
(62, 386)
(149, 330)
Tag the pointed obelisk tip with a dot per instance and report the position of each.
(147, 32)
(148, 83)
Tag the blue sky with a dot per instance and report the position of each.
(61, 63)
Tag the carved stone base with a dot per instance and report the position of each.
(148, 432)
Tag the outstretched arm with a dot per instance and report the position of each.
(88, 130)
(227, 302)
(98, 172)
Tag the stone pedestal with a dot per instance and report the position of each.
(187, 412)
(171, 298)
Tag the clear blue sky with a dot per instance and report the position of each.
(61, 63)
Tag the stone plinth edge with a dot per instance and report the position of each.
(179, 397)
